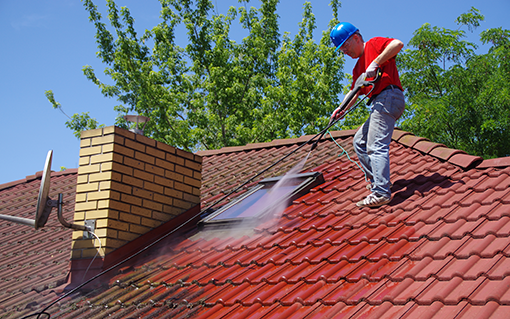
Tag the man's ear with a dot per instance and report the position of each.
(359, 37)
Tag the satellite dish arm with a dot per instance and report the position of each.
(63, 221)
(50, 204)
(19, 220)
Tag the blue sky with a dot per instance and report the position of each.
(45, 45)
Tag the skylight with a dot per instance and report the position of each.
(268, 195)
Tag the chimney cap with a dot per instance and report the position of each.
(137, 119)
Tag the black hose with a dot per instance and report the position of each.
(43, 312)
(321, 133)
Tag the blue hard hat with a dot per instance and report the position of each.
(341, 32)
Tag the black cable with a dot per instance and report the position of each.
(321, 133)
(109, 269)
(38, 314)
(43, 312)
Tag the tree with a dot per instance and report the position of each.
(215, 92)
(455, 96)
(77, 122)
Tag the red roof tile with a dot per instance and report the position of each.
(426, 146)
(410, 140)
(465, 160)
(440, 249)
(495, 162)
(33, 261)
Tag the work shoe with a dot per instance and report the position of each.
(373, 200)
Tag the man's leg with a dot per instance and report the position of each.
(386, 109)
(378, 150)
(360, 147)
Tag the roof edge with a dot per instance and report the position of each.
(37, 175)
(273, 143)
(454, 156)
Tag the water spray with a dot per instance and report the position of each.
(360, 83)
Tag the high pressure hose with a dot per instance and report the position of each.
(358, 85)
(44, 312)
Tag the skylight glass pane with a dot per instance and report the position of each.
(261, 200)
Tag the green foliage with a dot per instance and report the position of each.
(50, 96)
(471, 19)
(216, 92)
(82, 122)
(455, 96)
(78, 122)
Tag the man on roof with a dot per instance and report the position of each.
(372, 140)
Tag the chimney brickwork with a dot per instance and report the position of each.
(129, 184)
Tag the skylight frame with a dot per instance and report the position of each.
(309, 181)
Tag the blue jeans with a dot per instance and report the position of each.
(372, 140)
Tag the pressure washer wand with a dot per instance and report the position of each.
(360, 82)
(343, 111)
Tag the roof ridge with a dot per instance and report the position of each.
(37, 175)
(273, 143)
(454, 156)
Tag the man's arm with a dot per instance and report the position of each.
(391, 50)
(337, 113)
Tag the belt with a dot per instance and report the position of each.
(391, 86)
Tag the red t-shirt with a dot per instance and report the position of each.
(373, 48)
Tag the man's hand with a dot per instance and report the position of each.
(372, 69)
(337, 114)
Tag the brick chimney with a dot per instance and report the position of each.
(127, 185)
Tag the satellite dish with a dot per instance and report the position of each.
(45, 204)
(43, 207)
